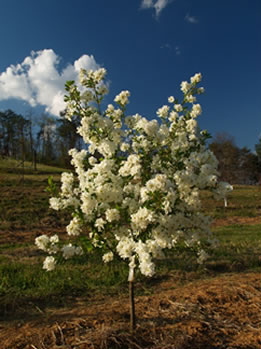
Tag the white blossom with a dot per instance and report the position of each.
(42, 242)
(122, 98)
(56, 203)
(131, 167)
(196, 110)
(191, 99)
(92, 160)
(112, 215)
(49, 263)
(125, 147)
(185, 86)
(196, 78)
(99, 224)
(178, 107)
(142, 218)
(74, 228)
(107, 257)
(163, 111)
(143, 190)
(125, 247)
(54, 239)
(202, 256)
(69, 251)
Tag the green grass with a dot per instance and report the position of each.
(24, 203)
(24, 207)
(15, 166)
(23, 280)
(239, 250)
(239, 233)
(243, 201)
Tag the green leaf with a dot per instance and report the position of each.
(51, 188)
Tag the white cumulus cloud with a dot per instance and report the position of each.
(191, 19)
(177, 50)
(38, 81)
(158, 5)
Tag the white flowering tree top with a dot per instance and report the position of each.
(141, 195)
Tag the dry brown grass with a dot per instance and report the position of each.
(223, 312)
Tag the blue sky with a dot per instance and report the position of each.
(147, 47)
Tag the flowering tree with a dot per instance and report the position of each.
(141, 194)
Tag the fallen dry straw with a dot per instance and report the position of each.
(219, 313)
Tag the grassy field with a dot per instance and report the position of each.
(24, 201)
(24, 214)
(25, 288)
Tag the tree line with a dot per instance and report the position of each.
(46, 141)
(236, 165)
(49, 139)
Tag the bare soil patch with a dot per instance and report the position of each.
(23, 236)
(223, 312)
(236, 220)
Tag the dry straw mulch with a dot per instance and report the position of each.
(220, 313)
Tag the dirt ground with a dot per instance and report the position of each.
(237, 220)
(22, 236)
(218, 313)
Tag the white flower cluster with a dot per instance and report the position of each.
(67, 197)
(47, 244)
(140, 195)
(69, 251)
(122, 98)
(49, 263)
(51, 246)
(96, 75)
(131, 167)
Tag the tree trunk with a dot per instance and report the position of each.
(132, 307)
(34, 160)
